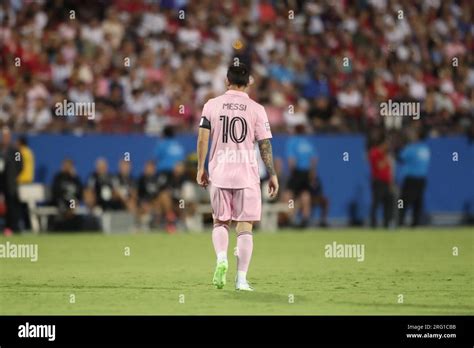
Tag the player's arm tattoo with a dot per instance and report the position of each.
(265, 147)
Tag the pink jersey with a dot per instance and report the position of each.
(236, 123)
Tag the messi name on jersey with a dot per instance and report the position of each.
(234, 106)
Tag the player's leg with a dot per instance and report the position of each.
(131, 205)
(306, 207)
(387, 206)
(374, 204)
(288, 216)
(144, 215)
(408, 198)
(244, 253)
(165, 202)
(220, 240)
(419, 185)
(246, 209)
(220, 203)
(189, 192)
(319, 199)
(405, 200)
(323, 202)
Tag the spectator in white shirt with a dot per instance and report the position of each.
(39, 116)
(137, 103)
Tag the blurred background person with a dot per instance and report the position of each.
(100, 190)
(156, 120)
(382, 182)
(66, 195)
(26, 175)
(155, 199)
(193, 195)
(39, 115)
(125, 187)
(149, 184)
(11, 165)
(169, 194)
(414, 161)
(168, 152)
(175, 211)
(303, 182)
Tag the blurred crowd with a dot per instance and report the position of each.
(148, 64)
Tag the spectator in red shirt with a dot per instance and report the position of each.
(382, 193)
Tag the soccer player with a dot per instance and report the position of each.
(234, 122)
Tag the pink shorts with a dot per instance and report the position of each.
(236, 204)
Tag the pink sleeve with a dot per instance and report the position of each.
(262, 127)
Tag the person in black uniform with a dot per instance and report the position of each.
(67, 187)
(10, 166)
(155, 198)
(304, 186)
(149, 185)
(100, 187)
(66, 196)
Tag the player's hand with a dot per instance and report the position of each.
(273, 186)
(202, 178)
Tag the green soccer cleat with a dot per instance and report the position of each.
(220, 273)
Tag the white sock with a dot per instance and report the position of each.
(221, 256)
(241, 277)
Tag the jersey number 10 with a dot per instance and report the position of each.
(229, 129)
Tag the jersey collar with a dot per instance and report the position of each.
(234, 92)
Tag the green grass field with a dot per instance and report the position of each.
(164, 270)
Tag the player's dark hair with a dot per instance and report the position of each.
(238, 75)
